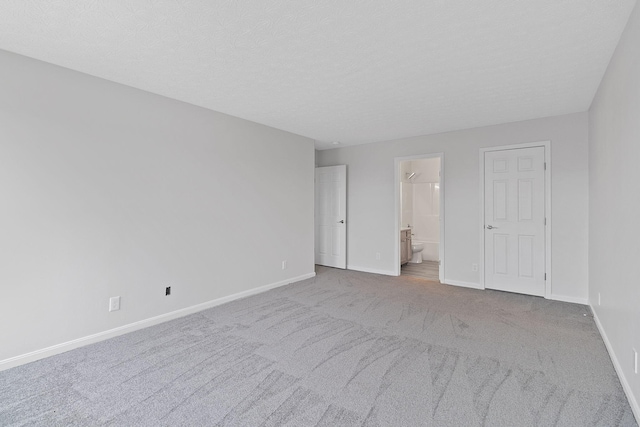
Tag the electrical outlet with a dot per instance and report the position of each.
(114, 303)
(474, 267)
(284, 264)
(167, 291)
(635, 361)
(378, 256)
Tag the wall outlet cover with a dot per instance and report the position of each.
(114, 304)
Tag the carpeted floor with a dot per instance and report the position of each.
(342, 349)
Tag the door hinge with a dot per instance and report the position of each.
(545, 276)
(545, 165)
(545, 221)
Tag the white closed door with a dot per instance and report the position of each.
(514, 220)
(331, 216)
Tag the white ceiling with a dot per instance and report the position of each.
(353, 71)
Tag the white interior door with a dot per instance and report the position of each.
(331, 216)
(514, 220)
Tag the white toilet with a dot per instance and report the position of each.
(416, 250)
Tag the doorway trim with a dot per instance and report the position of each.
(396, 224)
(547, 207)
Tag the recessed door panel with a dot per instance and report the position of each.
(525, 163)
(325, 239)
(338, 244)
(500, 200)
(525, 256)
(500, 165)
(525, 200)
(500, 254)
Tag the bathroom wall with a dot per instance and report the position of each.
(425, 188)
(420, 203)
(406, 195)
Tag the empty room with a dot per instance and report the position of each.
(319, 213)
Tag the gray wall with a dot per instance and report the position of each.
(614, 205)
(371, 206)
(107, 190)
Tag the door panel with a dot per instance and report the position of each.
(514, 220)
(500, 200)
(501, 257)
(330, 218)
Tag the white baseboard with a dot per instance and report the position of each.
(101, 336)
(371, 270)
(583, 301)
(635, 406)
(463, 284)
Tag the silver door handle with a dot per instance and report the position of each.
(341, 221)
(490, 227)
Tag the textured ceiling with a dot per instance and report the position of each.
(353, 71)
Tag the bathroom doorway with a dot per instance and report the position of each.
(420, 216)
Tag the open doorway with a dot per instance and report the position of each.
(419, 216)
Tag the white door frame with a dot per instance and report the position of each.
(547, 207)
(396, 224)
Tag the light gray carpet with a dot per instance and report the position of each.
(342, 349)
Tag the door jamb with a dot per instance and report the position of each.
(396, 224)
(547, 207)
